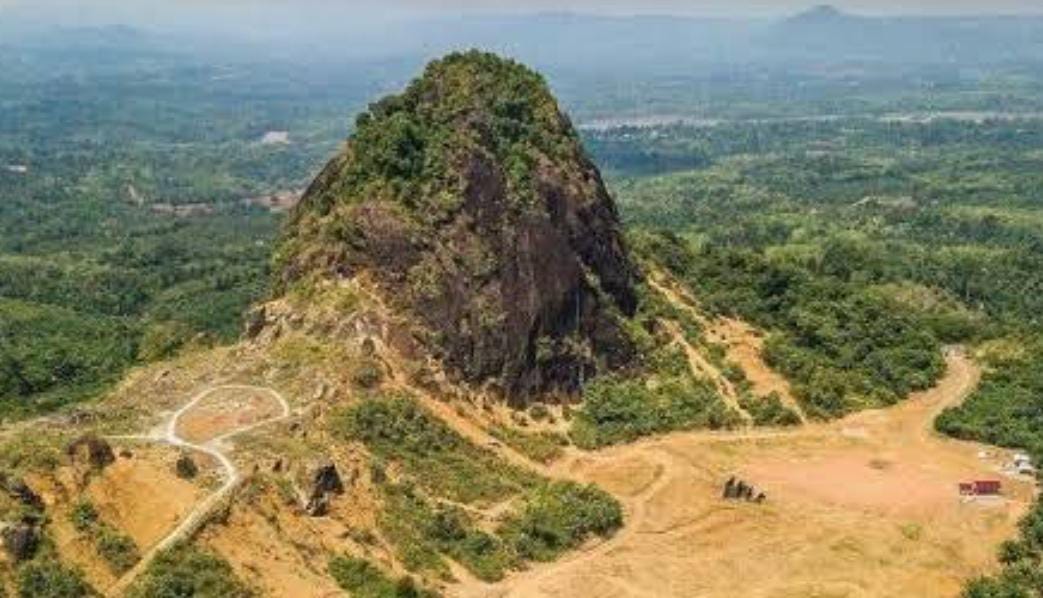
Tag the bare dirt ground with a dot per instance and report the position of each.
(257, 406)
(744, 346)
(126, 497)
(865, 506)
(226, 409)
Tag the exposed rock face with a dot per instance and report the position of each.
(91, 452)
(472, 204)
(17, 489)
(20, 540)
(320, 480)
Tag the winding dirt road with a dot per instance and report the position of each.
(214, 448)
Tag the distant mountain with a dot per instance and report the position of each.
(825, 34)
(823, 14)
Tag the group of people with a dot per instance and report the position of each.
(735, 489)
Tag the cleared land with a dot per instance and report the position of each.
(212, 416)
(865, 506)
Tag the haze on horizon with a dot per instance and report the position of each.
(161, 12)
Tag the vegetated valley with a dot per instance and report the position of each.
(504, 342)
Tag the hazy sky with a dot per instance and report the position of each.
(159, 9)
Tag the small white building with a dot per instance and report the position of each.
(17, 168)
(1023, 464)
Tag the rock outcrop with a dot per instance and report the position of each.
(91, 452)
(18, 490)
(185, 467)
(20, 540)
(320, 480)
(471, 203)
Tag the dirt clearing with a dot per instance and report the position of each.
(227, 409)
(866, 506)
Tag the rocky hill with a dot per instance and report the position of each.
(470, 203)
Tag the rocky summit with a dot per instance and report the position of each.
(471, 204)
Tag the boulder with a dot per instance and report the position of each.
(20, 540)
(90, 451)
(17, 489)
(186, 467)
(320, 479)
(255, 322)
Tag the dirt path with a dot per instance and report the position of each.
(742, 346)
(864, 506)
(656, 280)
(702, 368)
(213, 448)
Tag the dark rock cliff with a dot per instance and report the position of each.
(472, 204)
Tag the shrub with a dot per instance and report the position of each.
(560, 516)
(83, 516)
(542, 447)
(620, 410)
(119, 550)
(187, 571)
(367, 373)
(50, 579)
(442, 461)
(770, 411)
(362, 579)
(421, 532)
(539, 412)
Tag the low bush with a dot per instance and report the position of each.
(48, 578)
(422, 532)
(118, 549)
(560, 516)
(618, 410)
(542, 447)
(83, 516)
(444, 463)
(362, 579)
(187, 571)
(769, 411)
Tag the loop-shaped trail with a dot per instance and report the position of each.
(213, 448)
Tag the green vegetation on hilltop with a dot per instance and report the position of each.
(440, 460)
(414, 150)
(409, 147)
(440, 471)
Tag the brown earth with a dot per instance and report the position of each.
(744, 346)
(866, 506)
(226, 410)
(140, 496)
